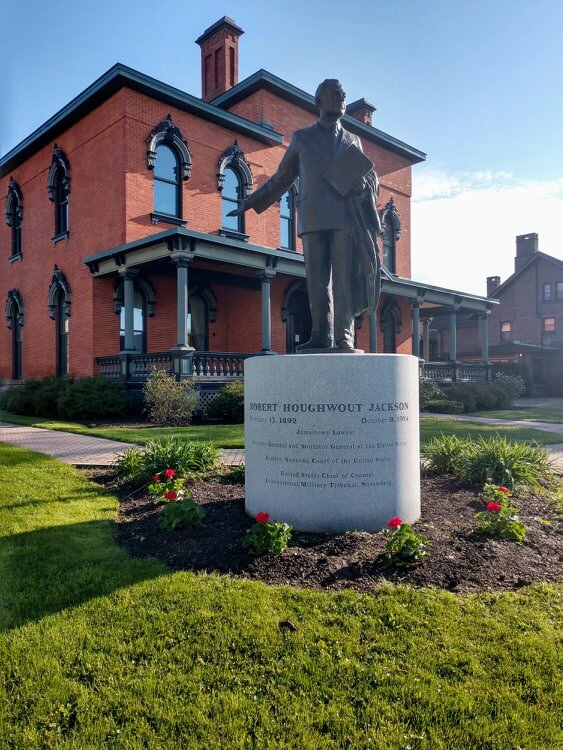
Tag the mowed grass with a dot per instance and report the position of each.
(99, 650)
(232, 436)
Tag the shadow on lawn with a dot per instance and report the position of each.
(55, 568)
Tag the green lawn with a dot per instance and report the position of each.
(99, 650)
(232, 436)
(526, 414)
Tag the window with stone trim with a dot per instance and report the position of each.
(170, 159)
(58, 187)
(547, 292)
(559, 290)
(14, 217)
(234, 182)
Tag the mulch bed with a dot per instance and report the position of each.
(459, 561)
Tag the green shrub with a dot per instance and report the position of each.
(181, 514)
(92, 398)
(463, 393)
(444, 454)
(228, 404)
(129, 465)
(513, 385)
(19, 399)
(513, 369)
(46, 398)
(429, 391)
(167, 401)
(479, 396)
(488, 461)
(445, 406)
(497, 461)
(183, 456)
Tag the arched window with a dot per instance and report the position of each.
(287, 219)
(234, 182)
(167, 182)
(139, 324)
(391, 324)
(14, 216)
(231, 196)
(391, 225)
(144, 302)
(202, 311)
(59, 188)
(296, 315)
(59, 309)
(14, 318)
(169, 156)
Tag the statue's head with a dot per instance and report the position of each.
(330, 98)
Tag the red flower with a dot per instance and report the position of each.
(262, 517)
(169, 473)
(493, 507)
(504, 490)
(156, 478)
(395, 522)
(171, 495)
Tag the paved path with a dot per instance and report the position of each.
(80, 450)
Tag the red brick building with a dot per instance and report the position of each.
(525, 327)
(118, 253)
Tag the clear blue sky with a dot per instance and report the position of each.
(476, 84)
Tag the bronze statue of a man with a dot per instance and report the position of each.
(338, 225)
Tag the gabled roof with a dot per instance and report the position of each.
(525, 266)
(109, 83)
(262, 79)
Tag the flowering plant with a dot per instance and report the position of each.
(494, 493)
(267, 536)
(181, 514)
(167, 486)
(404, 546)
(499, 517)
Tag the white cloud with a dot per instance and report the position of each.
(464, 225)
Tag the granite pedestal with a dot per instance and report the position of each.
(332, 441)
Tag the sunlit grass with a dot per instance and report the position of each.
(100, 650)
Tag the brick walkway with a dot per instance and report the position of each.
(80, 450)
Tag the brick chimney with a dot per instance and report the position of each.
(526, 246)
(493, 283)
(219, 57)
(361, 110)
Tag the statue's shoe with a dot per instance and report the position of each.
(314, 343)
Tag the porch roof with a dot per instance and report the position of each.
(161, 245)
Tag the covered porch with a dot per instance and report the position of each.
(211, 289)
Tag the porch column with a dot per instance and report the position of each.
(426, 328)
(373, 332)
(453, 334)
(415, 314)
(484, 324)
(128, 305)
(266, 277)
(182, 352)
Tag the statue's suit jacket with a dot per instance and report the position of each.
(319, 205)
